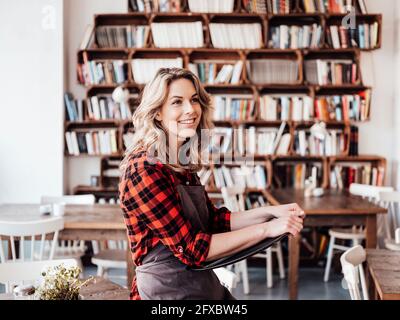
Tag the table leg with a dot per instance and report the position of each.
(371, 232)
(294, 253)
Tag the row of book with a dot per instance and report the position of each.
(217, 73)
(286, 107)
(237, 35)
(95, 108)
(333, 144)
(103, 72)
(295, 37)
(250, 141)
(344, 174)
(155, 5)
(294, 175)
(327, 6)
(365, 36)
(259, 6)
(277, 71)
(252, 177)
(96, 142)
(131, 36)
(331, 72)
(231, 108)
(178, 35)
(143, 70)
(269, 6)
(343, 107)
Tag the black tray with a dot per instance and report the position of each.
(238, 256)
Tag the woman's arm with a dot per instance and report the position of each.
(224, 244)
(259, 215)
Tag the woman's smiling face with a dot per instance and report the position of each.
(181, 113)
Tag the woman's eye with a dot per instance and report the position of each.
(195, 100)
(176, 102)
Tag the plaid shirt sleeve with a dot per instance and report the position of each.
(221, 217)
(153, 198)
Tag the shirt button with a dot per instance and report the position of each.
(180, 249)
(187, 182)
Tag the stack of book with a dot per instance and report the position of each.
(285, 107)
(252, 177)
(273, 71)
(295, 37)
(102, 72)
(353, 107)
(237, 35)
(144, 70)
(327, 6)
(220, 6)
(331, 72)
(177, 34)
(228, 107)
(344, 174)
(269, 6)
(155, 5)
(364, 37)
(306, 144)
(122, 36)
(217, 73)
(294, 175)
(95, 142)
(74, 108)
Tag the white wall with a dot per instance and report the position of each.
(78, 14)
(31, 106)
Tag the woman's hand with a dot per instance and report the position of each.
(287, 224)
(285, 210)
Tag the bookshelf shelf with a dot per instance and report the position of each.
(246, 86)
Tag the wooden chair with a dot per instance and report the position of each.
(234, 200)
(352, 268)
(27, 272)
(354, 234)
(391, 201)
(227, 278)
(30, 231)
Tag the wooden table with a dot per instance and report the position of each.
(98, 289)
(81, 222)
(383, 274)
(335, 208)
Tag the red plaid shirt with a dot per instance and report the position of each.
(153, 213)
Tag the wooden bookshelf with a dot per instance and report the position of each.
(208, 54)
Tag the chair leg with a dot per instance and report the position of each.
(245, 275)
(269, 268)
(329, 259)
(100, 271)
(280, 261)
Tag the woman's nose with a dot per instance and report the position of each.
(187, 106)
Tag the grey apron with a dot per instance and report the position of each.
(162, 276)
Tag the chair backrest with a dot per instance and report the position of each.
(391, 201)
(227, 278)
(368, 191)
(233, 198)
(76, 199)
(352, 268)
(30, 231)
(28, 271)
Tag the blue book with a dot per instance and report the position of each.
(67, 99)
(361, 36)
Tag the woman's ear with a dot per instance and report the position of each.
(158, 116)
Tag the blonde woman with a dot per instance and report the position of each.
(171, 221)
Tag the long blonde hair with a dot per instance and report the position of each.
(149, 133)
